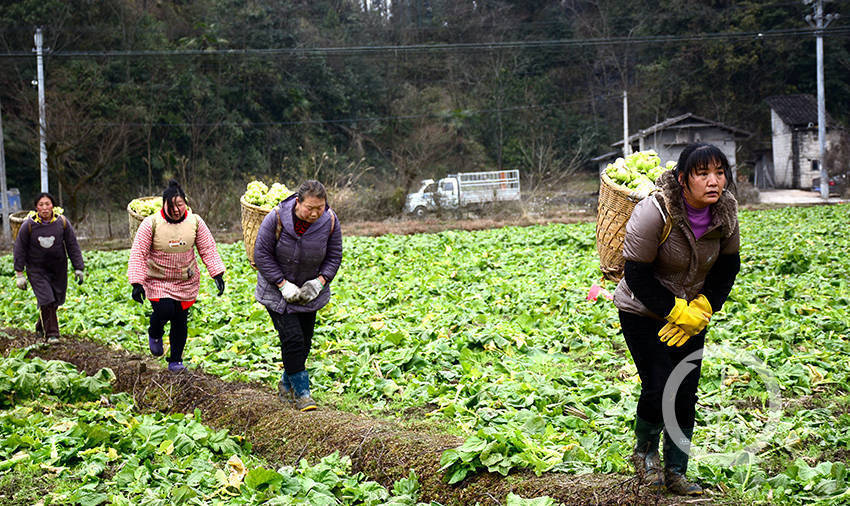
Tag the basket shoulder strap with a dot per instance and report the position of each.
(668, 222)
(668, 226)
(278, 228)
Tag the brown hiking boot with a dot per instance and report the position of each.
(679, 485)
(648, 468)
(305, 403)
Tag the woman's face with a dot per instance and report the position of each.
(44, 208)
(704, 186)
(176, 208)
(309, 208)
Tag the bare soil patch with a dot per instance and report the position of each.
(433, 224)
(383, 450)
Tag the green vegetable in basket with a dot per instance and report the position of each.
(146, 207)
(258, 194)
(638, 171)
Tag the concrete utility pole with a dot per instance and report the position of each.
(819, 22)
(4, 200)
(627, 148)
(42, 121)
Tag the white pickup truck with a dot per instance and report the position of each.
(463, 189)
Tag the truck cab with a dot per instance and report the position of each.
(433, 195)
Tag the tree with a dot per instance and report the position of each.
(83, 148)
(429, 143)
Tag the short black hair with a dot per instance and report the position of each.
(41, 196)
(173, 190)
(699, 155)
(312, 188)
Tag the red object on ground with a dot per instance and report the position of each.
(596, 290)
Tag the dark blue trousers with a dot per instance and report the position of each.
(295, 331)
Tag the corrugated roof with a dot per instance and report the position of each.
(696, 122)
(796, 110)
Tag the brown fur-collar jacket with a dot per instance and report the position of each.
(681, 262)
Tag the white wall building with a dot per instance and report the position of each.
(794, 123)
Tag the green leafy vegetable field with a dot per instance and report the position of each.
(72, 427)
(489, 334)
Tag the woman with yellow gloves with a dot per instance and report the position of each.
(681, 252)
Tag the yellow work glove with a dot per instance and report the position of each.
(690, 319)
(673, 335)
(701, 304)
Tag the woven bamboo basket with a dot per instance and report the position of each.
(252, 218)
(16, 219)
(615, 208)
(135, 219)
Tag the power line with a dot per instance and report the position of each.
(789, 33)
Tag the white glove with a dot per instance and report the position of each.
(21, 280)
(80, 276)
(290, 292)
(310, 290)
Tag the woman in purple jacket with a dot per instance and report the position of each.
(42, 247)
(297, 254)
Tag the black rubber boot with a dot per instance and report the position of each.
(676, 465)
(645, 458)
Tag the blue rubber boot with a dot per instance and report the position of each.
(176, 367)
(301, 385)
(155, 346)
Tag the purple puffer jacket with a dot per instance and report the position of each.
(295, 259)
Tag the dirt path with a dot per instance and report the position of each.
(383, 450)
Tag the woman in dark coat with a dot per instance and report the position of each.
(297, 253)
(671, 288)
(44, 243)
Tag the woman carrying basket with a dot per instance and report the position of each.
(671, 288)
(163, 268)
(42, 247)
(297, 253)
